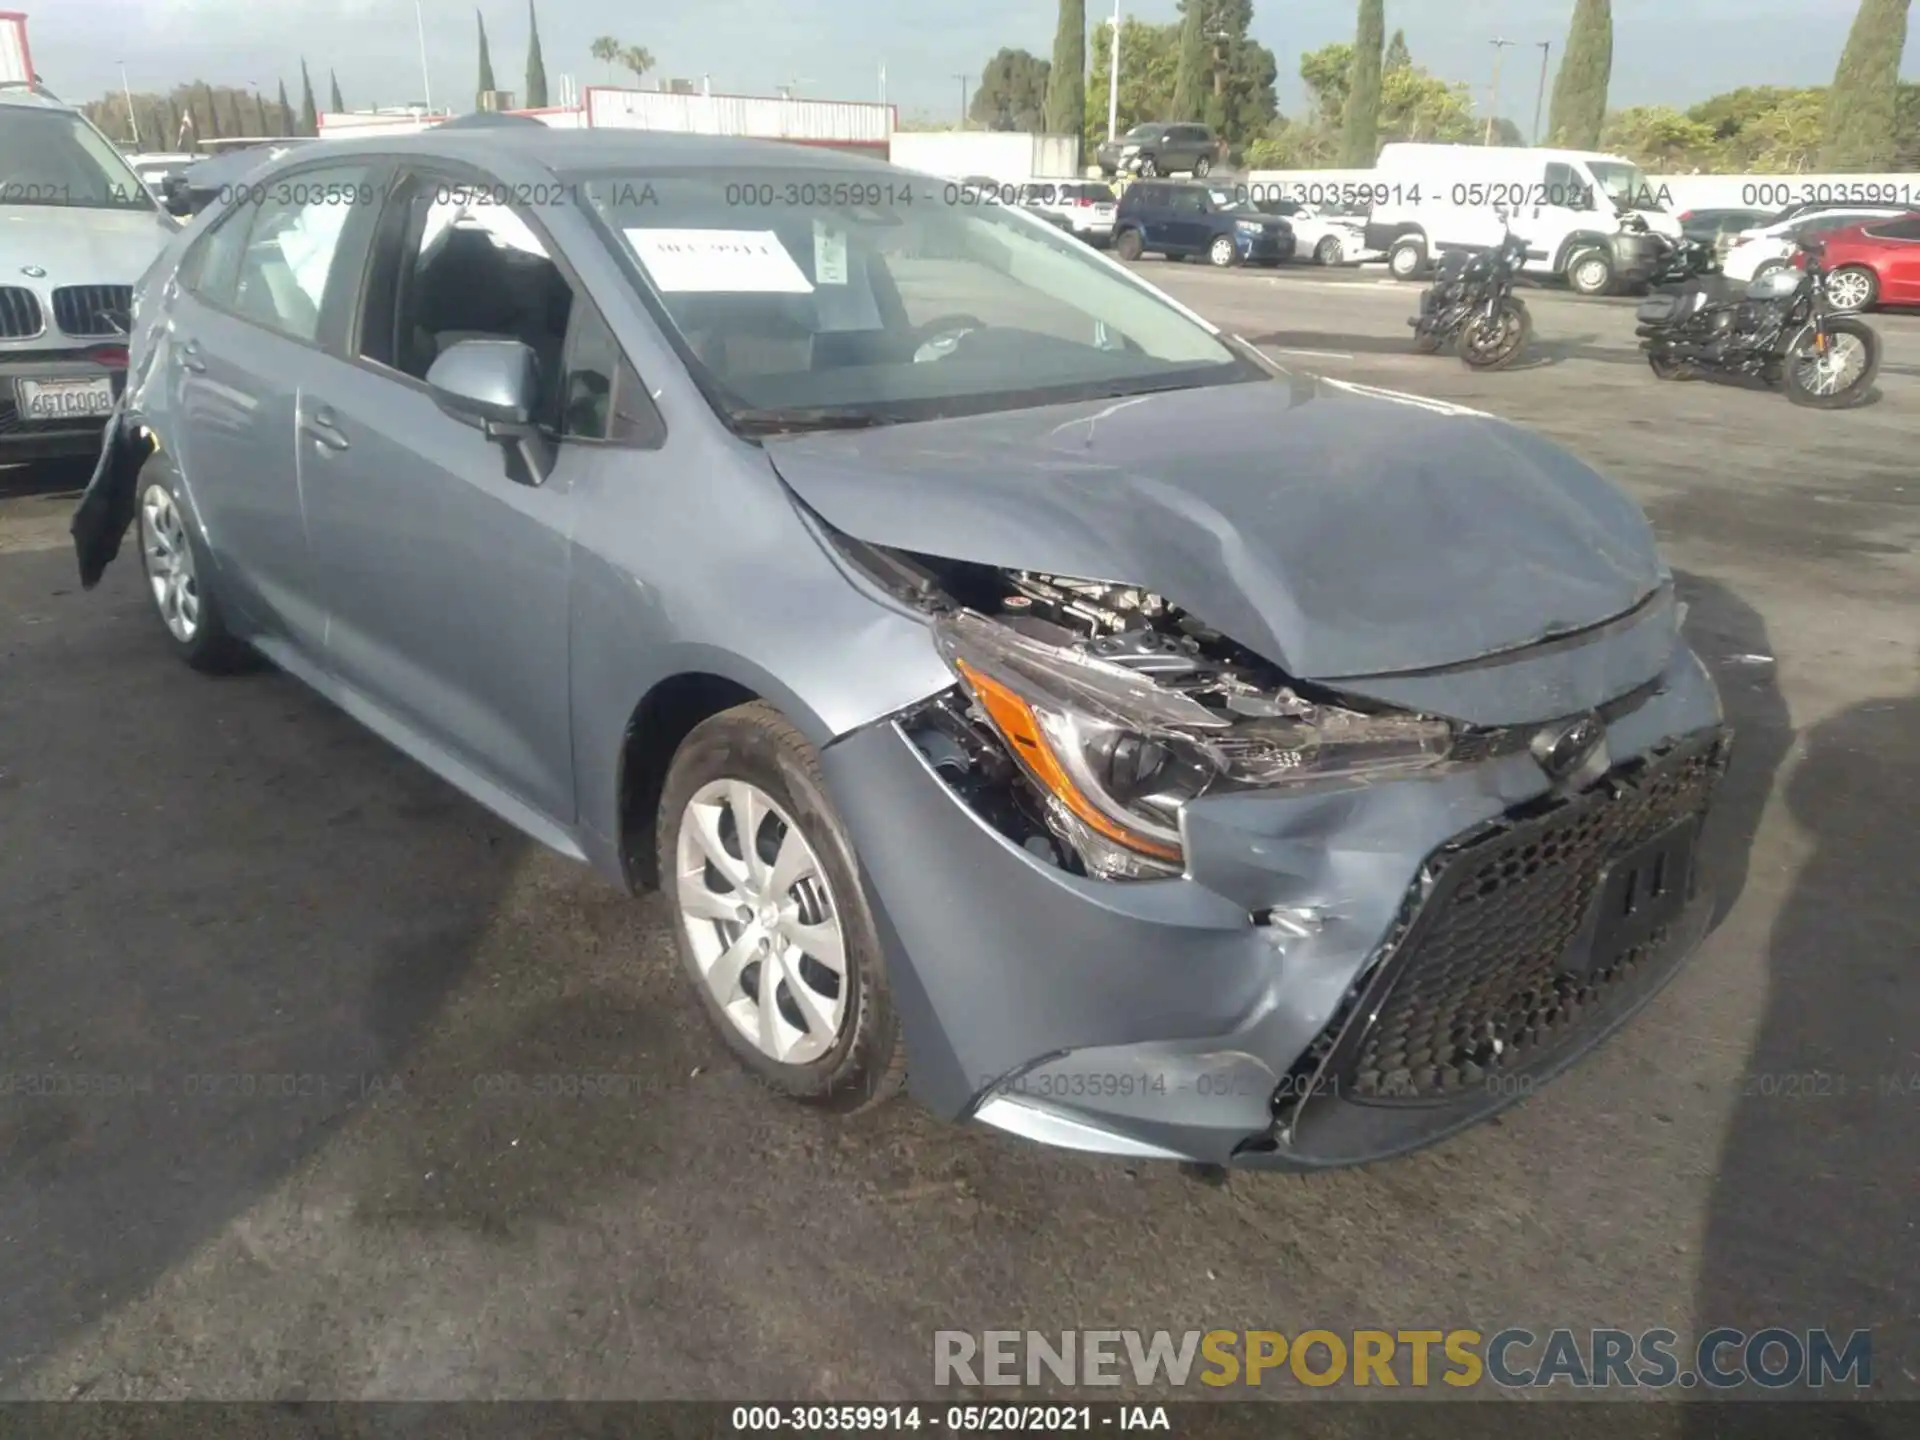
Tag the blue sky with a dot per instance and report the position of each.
(1665, 51)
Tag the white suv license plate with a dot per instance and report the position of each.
(86, 399)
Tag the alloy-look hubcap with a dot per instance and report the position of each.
(766, 936)
(163, 537)
(1842, 364)
(1847, 292)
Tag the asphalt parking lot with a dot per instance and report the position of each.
(206, 881)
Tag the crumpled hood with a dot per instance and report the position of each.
(77, 246)
(1338, 530)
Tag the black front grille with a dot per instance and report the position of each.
(90, 311)
(20, 317)
(1479, 985)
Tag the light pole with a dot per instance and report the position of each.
(1494, 108)
(132, 124)
(426, 84)
(1540, 94)
(1113, 76)
(963, 100)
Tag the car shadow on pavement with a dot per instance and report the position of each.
(1812, 1218)
(226, 913)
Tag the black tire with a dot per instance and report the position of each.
(1840, 399)
(1869, 290)
(1517, 330)
(1664, 367)
(1202, 167)
(867, 1063)
(1590, 272)
(1221, 252)
(1426, 343)
(1328, 251)
(212, 648)
(1128, 245)
(1407, 257)
(1149, 167)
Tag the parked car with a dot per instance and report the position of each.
(1183, 219)
(1159, 148)
(1086, 207)
(1773, 246)
(1874, 264)
(1324, 236)
(215, 177)
(77, 229)
(1716, 229)
(1567, 205)
(1021, 690)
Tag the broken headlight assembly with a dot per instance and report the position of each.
(1116, 747)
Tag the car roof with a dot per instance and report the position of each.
(580, 151)
(21, 95)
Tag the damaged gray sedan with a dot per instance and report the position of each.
(1020, 691)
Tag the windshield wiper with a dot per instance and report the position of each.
(780, 422)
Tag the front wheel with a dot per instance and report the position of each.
(1327, 252)
(1665, 367)
(1833, 372)
(1149, 167)
(1128, 245)
(1202, 167)
(771, 919)
(1495, 342)
(1221, 251)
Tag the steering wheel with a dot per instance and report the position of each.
(942, 333)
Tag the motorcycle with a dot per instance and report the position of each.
(1471, 305)
(1780, 327)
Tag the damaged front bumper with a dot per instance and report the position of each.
(1344, 972)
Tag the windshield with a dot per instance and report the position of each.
(53, 157)
(880, 295)
(1234, 202)
(1142, 132)
(1626, 185)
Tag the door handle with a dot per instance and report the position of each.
(320, 425)
(189, 357)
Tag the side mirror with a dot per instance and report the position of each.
(494, 385)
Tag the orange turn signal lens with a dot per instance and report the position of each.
(1020, 727)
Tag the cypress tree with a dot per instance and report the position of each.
(1860, 107)
(1361, 142)
(334, 102)
(309, 113)
(1067, 79)
(1190, 79)
(1398, 56)
(262, 122)
(536, 96)
(486, 60)
(1580, 89)
(286, 111)
(213, 113)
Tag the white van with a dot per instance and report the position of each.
(1567, 204)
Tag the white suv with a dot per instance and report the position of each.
(1086, 207)
(1771, 246)
(77, 230)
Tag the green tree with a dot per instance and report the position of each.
(536, 96)
(1065, 110)
(638, 59)
(309, 115)
(213, 130)
(334, 102)
(1418, 106)
(1191, 79)
(1328, 75)
(1398, 57)
(262, 118)
(1586, 67)
(606, 50)
(1660, 139)
(1013, 93)
(1361, 143)
(1862, 105)
(1149, 56)
(286, 112)
(1787, 139)
(486, 60)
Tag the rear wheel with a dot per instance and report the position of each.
(1852, 288)
(1665, 367)
(1128, 245)
(180, 580)
(1221, 252)
(1837, 374)
(772, 920)
(1495, 343)
(1407, 258)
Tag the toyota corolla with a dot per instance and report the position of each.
(1023, 692)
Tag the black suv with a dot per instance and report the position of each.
(1159, 148)
(1178, 219)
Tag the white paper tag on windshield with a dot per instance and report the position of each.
(829, 255)
(718, 261)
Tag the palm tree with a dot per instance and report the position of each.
(636, 59)
(606, 50)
